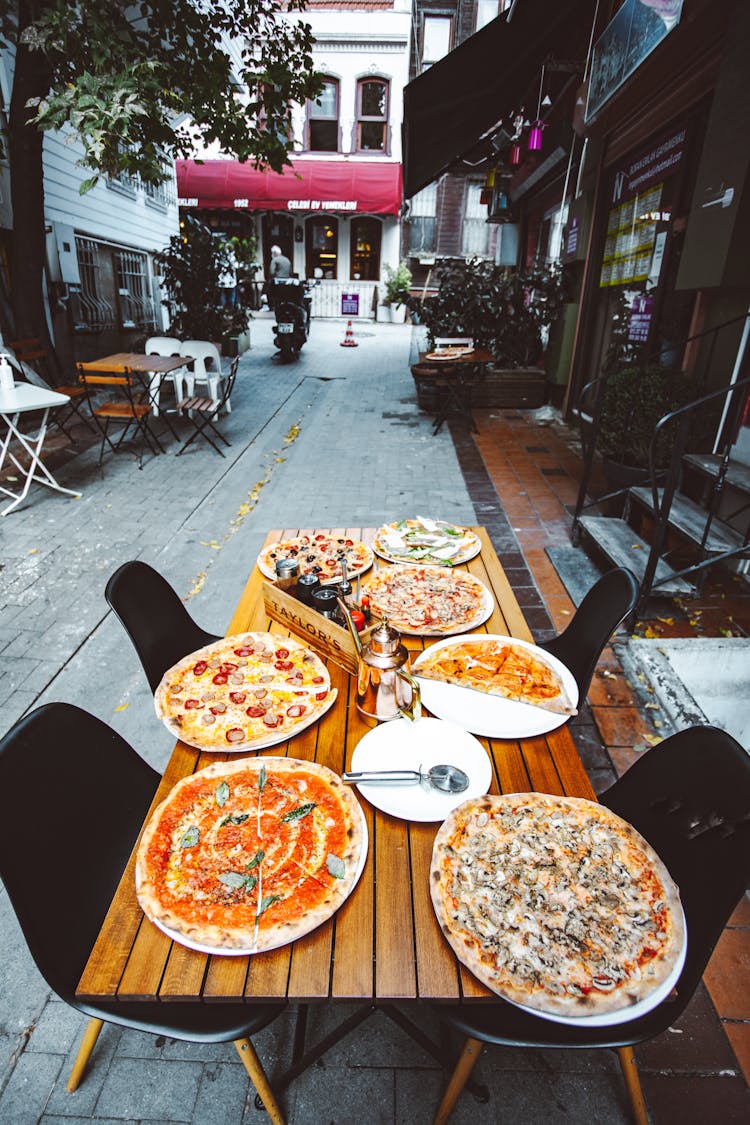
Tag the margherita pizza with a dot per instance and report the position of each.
(319, 554)
(251, 854)
(244, 692)
(555, 903)
(429, 601)
(498, 666)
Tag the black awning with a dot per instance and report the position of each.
(449, 107)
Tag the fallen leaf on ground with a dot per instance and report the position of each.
(122, 707)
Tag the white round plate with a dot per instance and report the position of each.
(214, 951)
(469, 551)
(483, 613)
(624, 1015)
(405, 745)
(491, 715)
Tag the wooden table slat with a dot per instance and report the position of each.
(437, 977)
(395, 975)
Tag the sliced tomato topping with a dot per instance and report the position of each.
(284, 665)
(272, 720)
(200, 667)
(227, 668)
(238, 696)
(243, 651)
(255, 712)
(349, 542)
(319, 538)
(282, 653)
(295, 710)
(220, 678)
(192, 704)
(331, 563)
(235, 734)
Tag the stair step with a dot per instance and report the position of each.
(689, 519)
(623, 547)
(738, 475)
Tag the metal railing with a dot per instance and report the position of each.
(673, 431)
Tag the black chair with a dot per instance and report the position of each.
(73, 797)
(606, 605)
(154, 618)
(204, 412)
(690, 798)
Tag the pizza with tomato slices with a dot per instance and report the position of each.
(318, 553)
(248, 855)
(556, 903)
(244, 692)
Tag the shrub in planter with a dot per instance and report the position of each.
(397, 286)
(503, 311)
(635, 398)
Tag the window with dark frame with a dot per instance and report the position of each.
(323, 119)
(422, 223)
(437, 38)
(372, 115)
(364, 249)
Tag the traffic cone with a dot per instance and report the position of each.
(349, 341)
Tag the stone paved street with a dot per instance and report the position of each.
(333, 440)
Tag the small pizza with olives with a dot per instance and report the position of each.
(244, 692)
(318, 553)
(250, 854)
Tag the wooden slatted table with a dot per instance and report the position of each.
(384, 944)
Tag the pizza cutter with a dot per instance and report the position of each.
(449, 779)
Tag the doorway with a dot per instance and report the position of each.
(322, 246)
(278, 230)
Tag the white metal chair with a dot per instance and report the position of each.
(167, 346)
(204, 354)
(453, 342)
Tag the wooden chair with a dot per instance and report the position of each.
(126, 408)
(689, 797)
(34, 364)
(203, 413)
(90, 794)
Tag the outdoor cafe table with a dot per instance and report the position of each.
(384, 944)
(151, 369)
(457, 374)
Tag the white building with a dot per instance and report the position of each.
(101, 289)
(336, 213)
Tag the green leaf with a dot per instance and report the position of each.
(222, 794)
(336, 866)
(262, 778)
(269, 900)
(190, 838)
(236, 881)
(296, 814)
(259, 856)
(237, 818)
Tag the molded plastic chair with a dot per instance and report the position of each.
(161, 629)
(73, 797)
(203, 353)
(606, 605)
(204, 412)
(166, 346)
(690, 798)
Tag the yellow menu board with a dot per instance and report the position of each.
(631, 233)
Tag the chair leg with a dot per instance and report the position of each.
(633, 1084)
(466, 1063)
(254, 1068)
(90, 1037)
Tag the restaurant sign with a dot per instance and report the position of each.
(322, 205)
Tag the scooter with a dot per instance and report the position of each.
(291, 303)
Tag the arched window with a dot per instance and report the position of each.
(323, 119)
(372, 115)
(364, 249)
(322, 238)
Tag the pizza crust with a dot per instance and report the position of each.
(170, 908)
(506, 929)
(316, 550)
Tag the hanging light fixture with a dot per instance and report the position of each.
(534, 143)
(515, 154)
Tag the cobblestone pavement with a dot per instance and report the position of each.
(334, 439)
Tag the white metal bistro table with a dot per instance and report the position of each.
(23, 398)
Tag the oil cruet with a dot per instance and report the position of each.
(385, 686)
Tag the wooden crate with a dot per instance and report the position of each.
(330, 640)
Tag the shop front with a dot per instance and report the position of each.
(337, 221)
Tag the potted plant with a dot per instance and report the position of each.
(190, 269)
(397, 286)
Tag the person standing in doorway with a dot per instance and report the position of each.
(280, 264)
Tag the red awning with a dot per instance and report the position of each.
(309, 185)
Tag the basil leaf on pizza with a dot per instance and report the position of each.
(225, 880)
